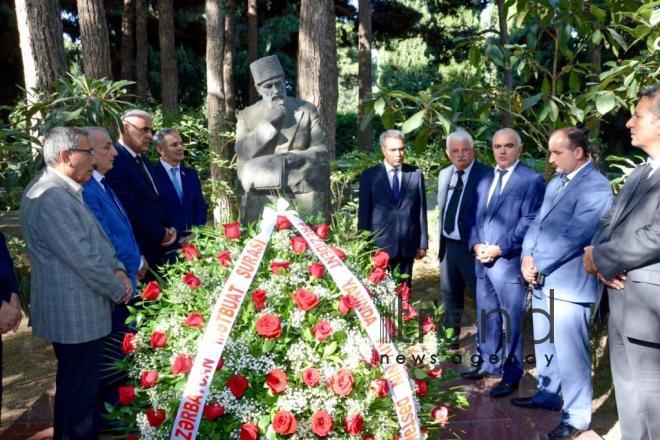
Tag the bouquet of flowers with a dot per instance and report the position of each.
(298, 363)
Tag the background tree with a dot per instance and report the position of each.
(127, 38)
(94, 38)
(142, 51)
(228, 65)
(252, 38)
(168, 64)
(317, 62)
(365, 136)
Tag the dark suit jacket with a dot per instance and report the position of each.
(516, 207)
(192, 210)
(628, 241)
(8, 284)
(146, 210)
(400, 228)
(478, 172)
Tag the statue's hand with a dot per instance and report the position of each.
(275, 112)
(293, 160)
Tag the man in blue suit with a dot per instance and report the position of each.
(132, 180)
(506, 203)
(393, 205)
(178, 186)
(552, 253)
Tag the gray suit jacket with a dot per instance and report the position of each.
(628, 241)
(73, 283)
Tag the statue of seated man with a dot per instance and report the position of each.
(281, 148)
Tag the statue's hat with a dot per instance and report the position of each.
(266, 68)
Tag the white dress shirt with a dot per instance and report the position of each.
(390, 174)
(505, 179)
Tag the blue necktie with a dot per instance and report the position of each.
(175, 181)
(113, 197)
(395, 186)
(496, 193)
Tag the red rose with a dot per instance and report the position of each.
(155, 417)
(435, 373)
(409, 313)
(148, 378)
(375, 358)
(249, 431)
(221, 362)
(305, 300)
(132, 437)
(224, 258)
(284, 423)
(151, 291)
(282, 222)
(190, 252)
(339, 253)
(389, 326)
(232, 230)
(194, 320)
(311, 377)
(322, 331)
(317, 270)
(353, 424)
(341, 382)
(440, 414)
(276, 381)
(322, 230)
(422, 387)
(213, 411)
(237, 384)
(126, 394)
(428, 325)
(269, 327)
(158, 340)
(380, 259)
(347, 303)
(380, 387)
(403, 290)
(191, 280)
(321, 423)
(129, 344)
(377, 275)
(367, 437)
(299, 245)
(259, 298)
(182, 364)
(279, 267)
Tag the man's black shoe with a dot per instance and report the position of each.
(528, 402)
(477, 374)
(564, 431)
(503, 389)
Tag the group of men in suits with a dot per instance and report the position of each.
(97, 218)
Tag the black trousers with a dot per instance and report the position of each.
(77, 382)
(456, 273)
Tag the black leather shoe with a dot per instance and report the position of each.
(503, 389)
(476, 374)
(564, 431)
(528, 402)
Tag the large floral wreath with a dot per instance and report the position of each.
(298, 364)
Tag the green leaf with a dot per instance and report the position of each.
(422, 139)
(388, 120)
(475, 56)
(655, 18)
(414, 122)
(446, 123)
(543, 113)
(530, 101)
(329, 349)
(598, 13)
(419, 374)
(596, 37)
(554, 111)
(268, 345)
(379, 106)
(605, 103)
(578, 113)
(618, 38)
(545, 87)
(574, 81)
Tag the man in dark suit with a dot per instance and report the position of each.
(393, 205)
(178, 186)
(132, 180)
(626, 258)
(574, 201)
(457, 185)
(506, 203)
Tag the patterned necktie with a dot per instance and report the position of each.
(145, 172)
(496, 193)
(450, 218)
(177, 184)
(395, 186)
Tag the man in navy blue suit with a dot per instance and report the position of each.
(506, 203)
(552, 254)
(393, 205)
(132, 180)
(178, 186)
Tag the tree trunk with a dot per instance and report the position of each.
(94, 38)
(365, 136)
(317, 62)
(220, 175)
(253, 41)
(127, 37)
(169, 73)
(507, 120)
(228, 68)
(142, 52)
(42, 45)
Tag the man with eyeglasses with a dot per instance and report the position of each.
(75, 277)
(132, 180)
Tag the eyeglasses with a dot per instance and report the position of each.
(80, 150)
(142, 130)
